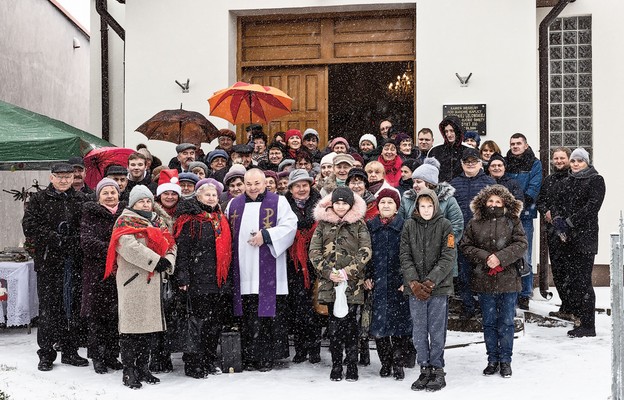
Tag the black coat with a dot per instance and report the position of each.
(546, 202)
(52, 221)
(196, 262)
(99, 296)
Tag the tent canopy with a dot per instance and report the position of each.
(26, 136)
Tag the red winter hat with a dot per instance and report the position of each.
(293, 132)
(392, 193)
(168, 180)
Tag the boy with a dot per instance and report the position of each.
(427, 254)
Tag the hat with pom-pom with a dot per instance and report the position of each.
(429, 171)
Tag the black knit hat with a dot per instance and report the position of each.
(411, 163)
(499, 157)
(343, 193)
(357, 173)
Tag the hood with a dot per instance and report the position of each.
(324, 212)
(431, 194)
(444, 191)
(459, 131)
(513, 207)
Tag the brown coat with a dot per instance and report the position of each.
(487, 234)
(140, 307)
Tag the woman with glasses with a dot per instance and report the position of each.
(496, 169)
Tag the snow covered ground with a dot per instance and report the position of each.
(546, 365)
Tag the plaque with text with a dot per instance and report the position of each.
(472, 116)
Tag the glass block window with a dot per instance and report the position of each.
(570, 82)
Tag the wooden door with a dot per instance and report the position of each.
(308, 88)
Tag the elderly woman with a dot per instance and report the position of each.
(391, 162)
(139, 251)
(494, 242)
(575, 222)
(377, 177)
(99, 297)
(276, 152)
(357, 181)
(204, 253)
(217, 161)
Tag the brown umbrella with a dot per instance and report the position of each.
(179, 126)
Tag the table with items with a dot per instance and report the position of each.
(18, 284)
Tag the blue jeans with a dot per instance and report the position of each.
(429, 321)
(527, 281)
(499, 310)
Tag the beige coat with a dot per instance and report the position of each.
(140, 306)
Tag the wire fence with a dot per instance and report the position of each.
(617, 308)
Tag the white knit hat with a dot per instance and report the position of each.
(370, 138)
(328, 158)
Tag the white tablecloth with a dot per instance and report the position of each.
(23, 304)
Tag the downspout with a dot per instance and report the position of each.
(106, 20)
(544, 105)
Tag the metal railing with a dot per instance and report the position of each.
(617, 308)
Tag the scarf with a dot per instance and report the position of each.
(374, 187)
(112, 210)
(393, 170)
(299, 252)
(223, 237)
(158, 239)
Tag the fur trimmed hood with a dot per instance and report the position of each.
(324, 212)
(513, 207)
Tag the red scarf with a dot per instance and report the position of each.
(223, 238)
(299, 252)
(393, 170)
(158, 239)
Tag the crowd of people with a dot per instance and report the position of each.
(280, 238)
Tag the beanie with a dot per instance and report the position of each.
(411, 163)
(357, 173)
(102, 184)
(339, 140)
(328, 158)
(392, 193)
(293, 132)
(209, 181)
(236, 171)
(580, 154)
(497, 156)
(198, 164)
(370, 138)
(428, 172)
(139, 192)
(312, 132)
(343, 193)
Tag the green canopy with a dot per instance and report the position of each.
(26, 136)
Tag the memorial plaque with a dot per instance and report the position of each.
(472, 116)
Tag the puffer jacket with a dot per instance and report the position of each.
(340, 243)
(488, 234)
(466, 188)
(428, 250)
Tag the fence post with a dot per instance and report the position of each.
(617, 307)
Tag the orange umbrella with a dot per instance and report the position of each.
(249, 103)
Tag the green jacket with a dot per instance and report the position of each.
(428, 249)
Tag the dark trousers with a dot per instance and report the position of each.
(392, 350)
(211, 308)
(135, 350)
(304, 321)
(560, 277)
(582, 297)
(103, 339)
(263, 339)
(54, 325)
(343, 333)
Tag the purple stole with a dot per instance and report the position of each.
(268, 278)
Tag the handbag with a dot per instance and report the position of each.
(166, 289)
(523, 267)
(185, 335)
(320, 309)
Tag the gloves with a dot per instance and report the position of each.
(495, 270)
(561, 226)
(421, 291)
(162, 265)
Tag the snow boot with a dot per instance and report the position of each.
(364, 352)
(130, 378)
(352, 373)
(423, 379)
(505, 370)
(491, 369)
(436, 381)
(582, 331)
(384, 351)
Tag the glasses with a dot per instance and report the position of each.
(63, 178)
(356, 183)
(471, 162)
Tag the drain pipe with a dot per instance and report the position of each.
(106, 20)
(544, 132)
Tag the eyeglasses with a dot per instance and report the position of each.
(356, 183)
(63, 178)
(471, 162)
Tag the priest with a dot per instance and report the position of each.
(263, 228)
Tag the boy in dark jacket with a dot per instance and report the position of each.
(427, 254)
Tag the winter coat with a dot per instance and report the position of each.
(428, 250)
(52, 221)
(551, 187)
(449, 154)
(328, 184)
(578, 201)
(196, 260)
(467, 188)
(512, 185)
(340, 244)
(527, 170)
(448, 207)
(140, 305)
(391, 314)
(147, 179)
(99, 295)
(487, 234)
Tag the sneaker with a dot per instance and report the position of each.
(385, 371)
(421, 382)
(352, 373)
(74, 359)
(436, 381)
(505, 370)
(523, 303)
(44, 365)
(336, 373)
(491, 369)
(399, 373)
(582, 331)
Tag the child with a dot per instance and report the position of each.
(427, 254)
(339, 250)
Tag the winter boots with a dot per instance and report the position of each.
(352, 373)
(364, 352)
(582, 331)
(131, 379)
(336, 372)
(436, 380)
(505, 370)
(423, 378)
(491, 369)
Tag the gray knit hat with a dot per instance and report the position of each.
(139, 192)
(428, 172)
(195, 164)
(580, 154)
(297, 175)
(102, 184)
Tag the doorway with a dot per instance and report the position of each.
(359, 99)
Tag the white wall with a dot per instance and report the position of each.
(607, 61)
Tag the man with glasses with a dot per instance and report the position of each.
(467, 185)
(524, 167)
(52, 222)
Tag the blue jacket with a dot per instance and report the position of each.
(391, 314)
(527, 170)
(467, 188)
